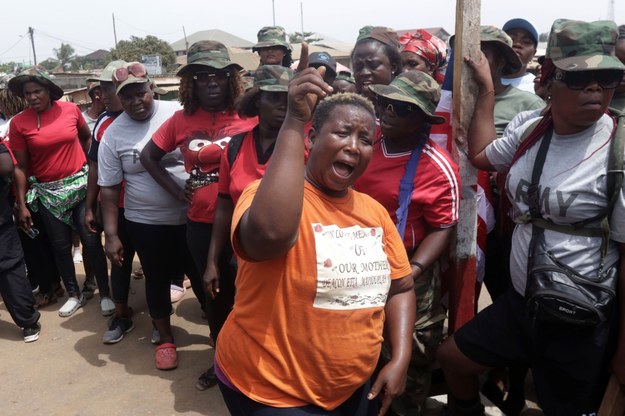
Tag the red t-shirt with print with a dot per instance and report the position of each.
(436, 194)
(201, 137)
(51, 141)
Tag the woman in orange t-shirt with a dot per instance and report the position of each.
(321, 267)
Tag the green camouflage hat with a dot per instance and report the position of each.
(382, 34)
(107, 72)
(580, 46)
(38, 75)
(273, 78)
(210, 54)
(414, 87)
(504, 44)
(271, 36)
(132, 79)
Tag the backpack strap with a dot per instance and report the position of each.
(234, 146)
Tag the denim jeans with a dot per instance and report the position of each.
(60, 235)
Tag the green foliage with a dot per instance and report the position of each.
(9, 67)
(64, 54)
(543, 37)
(49, 64)
(133, 49)
(298, 37)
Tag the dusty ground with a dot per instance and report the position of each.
(69, 371)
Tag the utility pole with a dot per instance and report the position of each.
(31, 31)
(273, 8)
(186, 42)
(301, 8)
(114, 33)
(611, 10)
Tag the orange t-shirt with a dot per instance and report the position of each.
(306, 328)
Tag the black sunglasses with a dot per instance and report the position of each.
(399, 108)
(205, 76)
(578, 80)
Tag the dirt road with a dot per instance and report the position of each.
(69, 371)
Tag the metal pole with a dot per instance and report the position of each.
(114, 33)
(301, 8)
(31, 31)
(186, 42)
(273, 8)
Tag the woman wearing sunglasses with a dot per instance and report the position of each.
(418, 184)
(209, 86)
(568, 363)
(155, 220)
(50, 139)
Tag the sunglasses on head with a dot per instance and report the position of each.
(217, 75)
(136, 70)
(399, 108)
(578, 80)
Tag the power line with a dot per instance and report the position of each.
(70, 42)
(15, 44)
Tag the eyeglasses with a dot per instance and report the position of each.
(578, 80)
(399, 108)
(137, 70)
(205, 76)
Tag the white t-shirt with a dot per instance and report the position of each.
(145, 200)
(525, 82)
(572, 188)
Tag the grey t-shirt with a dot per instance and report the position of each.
(145, 200)
(572, 188)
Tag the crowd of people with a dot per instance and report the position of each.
(312, 210)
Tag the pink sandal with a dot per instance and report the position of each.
(166, 356)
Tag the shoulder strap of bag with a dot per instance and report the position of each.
(234, 145)
(406, 186)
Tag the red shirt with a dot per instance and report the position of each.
(249, 165)
(53, 148)
(201, 138)
(436, 194)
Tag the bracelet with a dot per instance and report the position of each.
(486, 93)
(419, 265)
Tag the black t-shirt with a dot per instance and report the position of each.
(10, 247)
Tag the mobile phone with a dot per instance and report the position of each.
(32, 232)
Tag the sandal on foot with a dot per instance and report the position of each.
(44, 299)
(207, 380)
(176, 293)
(138, 274)
(166, 356)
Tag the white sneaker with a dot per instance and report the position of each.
(72, 306)
(77, 255)
(107, 307)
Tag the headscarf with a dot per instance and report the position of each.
(430, 48)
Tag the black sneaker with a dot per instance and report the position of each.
(31, 334)
(89, 287)
(118, 328)
(207, 380)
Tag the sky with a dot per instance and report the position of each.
(88, 26)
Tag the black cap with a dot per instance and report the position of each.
(317, 59)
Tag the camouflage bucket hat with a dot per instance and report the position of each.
(210, 54)
(382, 34)
(271, 36)
(580, 46)
(414, 87)
(38, 75)
(107, 72)
(273, 78)
(504, 44)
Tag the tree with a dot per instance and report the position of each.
(132, 50)
(64, 54)
(49, 64)
(308, 37)
(543, 37)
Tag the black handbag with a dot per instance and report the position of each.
(555, 292)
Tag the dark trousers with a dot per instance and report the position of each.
(163, 253)
(40, 264)
(218, 309)
(356, 405)
(120, 276)
(61, 241)
(18, 296)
